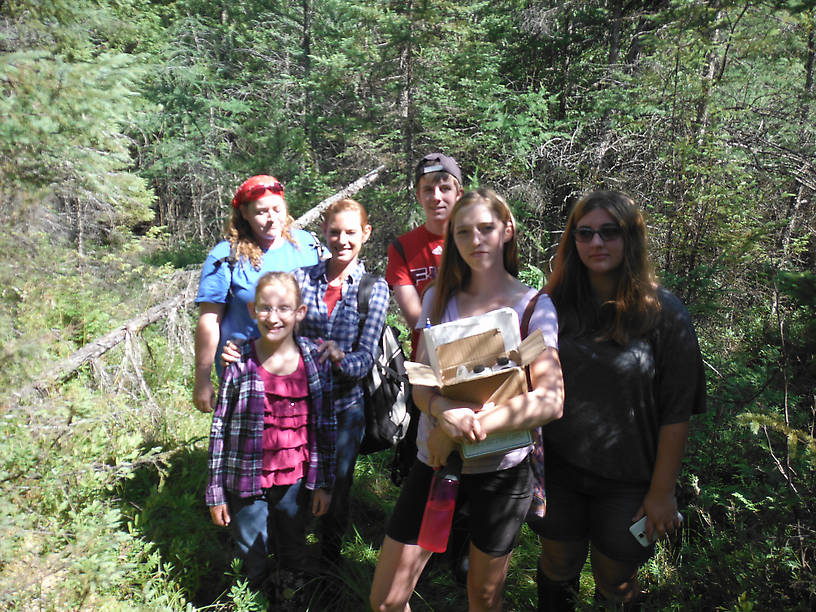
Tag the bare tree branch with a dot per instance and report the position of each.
(95, 349)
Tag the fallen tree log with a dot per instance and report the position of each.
(313, 214)
(96, 348)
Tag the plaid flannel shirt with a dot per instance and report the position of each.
(236, 436)
(343, 327)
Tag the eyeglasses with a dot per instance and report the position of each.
(264, 310)
(606, 232)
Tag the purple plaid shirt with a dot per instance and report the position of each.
(236, 436)
(343, 327)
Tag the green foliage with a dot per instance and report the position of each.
(119, 116)
(180, 256)
(67, 96)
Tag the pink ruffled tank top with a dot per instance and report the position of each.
(286, 427)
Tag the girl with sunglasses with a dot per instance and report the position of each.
(632, 378)
(259, 238)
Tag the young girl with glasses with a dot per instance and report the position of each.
(272, 441)
(478, 274)
(632, 378)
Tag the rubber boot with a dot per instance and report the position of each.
(556, 596)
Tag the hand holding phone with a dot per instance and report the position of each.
(638, 529)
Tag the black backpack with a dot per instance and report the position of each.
(385, 387)
(405, 451)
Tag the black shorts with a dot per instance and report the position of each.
(497, 502)
(582, 506)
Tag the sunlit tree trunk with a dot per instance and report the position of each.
(306, 63)
(406, 112)
(800, 202)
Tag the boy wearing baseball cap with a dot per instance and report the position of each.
(413, 258)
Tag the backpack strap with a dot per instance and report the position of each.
(399, 249)
(230, 260)
(525, 328)
(318, 246)
(528, 314)
(539, 502)
(363, 298)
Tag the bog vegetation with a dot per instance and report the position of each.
(126, 124)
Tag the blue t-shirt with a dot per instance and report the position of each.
(237, 289)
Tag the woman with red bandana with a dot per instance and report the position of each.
(259, 238)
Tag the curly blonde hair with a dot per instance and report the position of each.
(243, 242)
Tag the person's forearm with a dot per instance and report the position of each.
(671, 446)
(433, 403)
(409, 303)
(544, 403)
(204, 356)
(206, 340)
(424, 397)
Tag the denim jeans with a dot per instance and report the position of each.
(274, 523)
(350, 429)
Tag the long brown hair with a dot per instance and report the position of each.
(634, 309)
(454, 273)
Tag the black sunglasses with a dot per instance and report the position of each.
(606, 232)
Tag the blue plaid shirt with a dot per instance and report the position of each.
(236, 436)
(343, 327)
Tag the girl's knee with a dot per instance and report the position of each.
(387, 594)
(561, 561)
(485, 597)
(378, 604)
(374, 602)
(615, 580)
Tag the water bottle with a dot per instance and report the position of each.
(436, 521)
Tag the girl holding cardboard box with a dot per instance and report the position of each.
(478, 274)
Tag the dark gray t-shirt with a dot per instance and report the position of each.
(617, 397)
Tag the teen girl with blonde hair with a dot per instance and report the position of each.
(477, 275)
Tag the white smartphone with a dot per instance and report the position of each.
(638, 529)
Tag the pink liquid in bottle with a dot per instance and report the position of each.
(436, 521)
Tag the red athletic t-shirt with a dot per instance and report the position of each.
(423, 252)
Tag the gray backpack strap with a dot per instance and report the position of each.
(318, 246)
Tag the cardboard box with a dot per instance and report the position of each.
(466, 364)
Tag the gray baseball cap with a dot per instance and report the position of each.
(437, 162)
